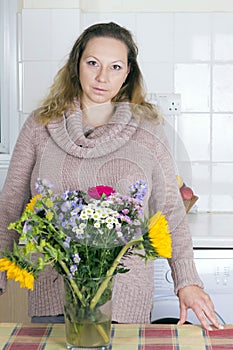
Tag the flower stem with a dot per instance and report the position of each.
(73, 284)
(110, 272)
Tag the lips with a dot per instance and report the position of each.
(99, 89)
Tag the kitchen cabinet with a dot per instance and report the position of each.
(14, 304)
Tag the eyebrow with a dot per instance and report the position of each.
(119, 60)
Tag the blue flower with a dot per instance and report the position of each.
(66, 206)
(66, 244)
(73, 269)
(139, 189)
(43, 186)
(76, 258)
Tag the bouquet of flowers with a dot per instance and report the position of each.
(85, 236)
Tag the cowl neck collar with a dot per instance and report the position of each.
(86, 142)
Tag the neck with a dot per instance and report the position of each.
(97, 115)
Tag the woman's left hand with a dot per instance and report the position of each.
(194, 297)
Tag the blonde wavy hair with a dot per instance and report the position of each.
(66, 85)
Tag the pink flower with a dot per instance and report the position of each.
(125, 211)
(98, 191)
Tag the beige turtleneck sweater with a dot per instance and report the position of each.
(117, 155)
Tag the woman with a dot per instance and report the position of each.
(94, 128)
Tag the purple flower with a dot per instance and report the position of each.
(76, 258)
(64, 223)
(73, 269)
(43, 186)
(128, 220)
(72, 221)
(60, 217)
(66, 244)
(66, 206)
(139, 189)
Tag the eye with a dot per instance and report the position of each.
(116, 67)
(92, 63)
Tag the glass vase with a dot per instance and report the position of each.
(88, 313)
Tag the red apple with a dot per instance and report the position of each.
(186, 193)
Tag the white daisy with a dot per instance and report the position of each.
(83, 215)
(96, 216)
(89, 212)
(82, 225)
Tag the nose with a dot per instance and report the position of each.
(102, 75)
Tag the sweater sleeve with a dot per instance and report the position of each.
(165, 196)
(16, 189)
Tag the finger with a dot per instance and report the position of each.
(183, 315)
(209, 313)
(202, 318)
(211, 316)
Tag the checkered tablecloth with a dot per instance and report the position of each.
(124, 337)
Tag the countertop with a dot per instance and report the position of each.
(124, 337)
(211, 230)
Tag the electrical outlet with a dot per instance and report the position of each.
(170, 104)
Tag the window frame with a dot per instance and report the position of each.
(9, 116)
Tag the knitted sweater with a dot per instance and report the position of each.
(118, 154)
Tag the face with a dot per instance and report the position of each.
(102, 71)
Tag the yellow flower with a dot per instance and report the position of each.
(17, 274)
(31, 204)
(4, 264)
(49, 203)
(30, 247)
(27, 280)
(49, 215)
(159, 235)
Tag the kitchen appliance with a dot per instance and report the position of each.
(213, 255)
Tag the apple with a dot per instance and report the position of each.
(186, 193)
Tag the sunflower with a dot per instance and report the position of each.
(159, 235)
(31, 204)
(17, 273)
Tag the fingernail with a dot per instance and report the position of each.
(210, 328)
(220, 326)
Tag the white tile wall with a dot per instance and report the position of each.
(222, 36)
(223, 138)
(35, 34)
(154, 37)
(158, 77)
(194, 131)
(127, 20)
(36, 79)
(187, 53)
(201, 183)
(223, 87)
(192, 80)
(47, 36)
(192, 40)
(222, 190)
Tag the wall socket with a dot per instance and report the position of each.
(169, 104)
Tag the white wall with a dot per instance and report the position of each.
(133, 5)
(180, 52)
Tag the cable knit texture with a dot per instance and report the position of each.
(73, 156)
